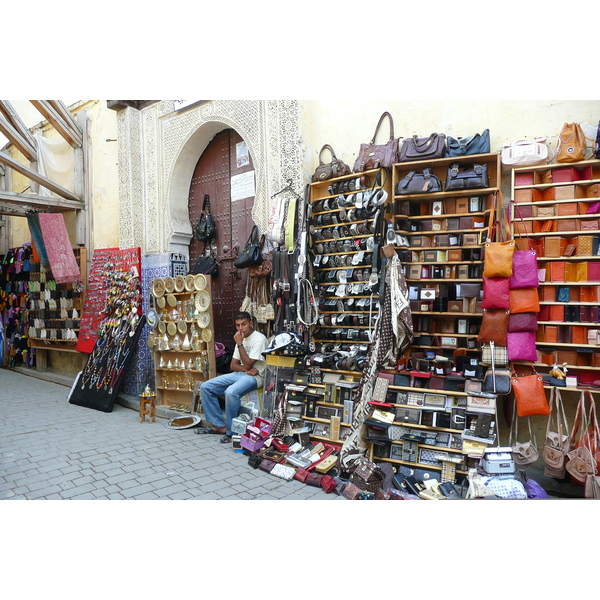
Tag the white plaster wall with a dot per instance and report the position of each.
(345, 124)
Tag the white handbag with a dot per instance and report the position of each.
(526, 153)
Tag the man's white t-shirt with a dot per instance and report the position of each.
(255, 344)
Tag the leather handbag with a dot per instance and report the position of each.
(557, 443)
(584, 457)
(467, 178)
(497, 380)
(206, 264)
(524, 453)
(530, 395)
(373, 156)
(252, 252)
(335, 168)
(478, 143)
(525, 153)
(494, 326)
(524, 270)
(496, 293)
(426, 148)
(523, 322)
(206, 229)
(524, 300)
(520, 345)
(571, 144)
(419, 182)
(499, 248)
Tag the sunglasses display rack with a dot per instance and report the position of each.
(556, 210)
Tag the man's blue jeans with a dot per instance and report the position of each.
(234, 385)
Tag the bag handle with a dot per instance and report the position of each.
(561, 418)
(333, 156)
(385, 114)
(579, 417)
(206, 204)
(522, 219)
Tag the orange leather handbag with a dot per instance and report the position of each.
(524, 300)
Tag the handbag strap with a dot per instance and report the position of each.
(561, 418)
(579, 417)
(524, 230)
(514, 429)
(498, 208)
(385, 114)
(206, 204)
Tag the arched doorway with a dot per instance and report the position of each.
(225, 172)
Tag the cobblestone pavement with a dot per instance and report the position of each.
(53, 450)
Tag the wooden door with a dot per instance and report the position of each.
(226, 157)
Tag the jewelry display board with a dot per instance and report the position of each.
(182, 337)
(105, 261)
(98, 383)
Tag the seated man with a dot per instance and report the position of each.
(247, 374)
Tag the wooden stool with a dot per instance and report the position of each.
(151, 410)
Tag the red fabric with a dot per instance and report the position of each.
(58, 248)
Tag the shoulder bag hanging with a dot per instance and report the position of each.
(530, 395)
(524, 453)
(206, 229)
(252, 252)
(557, 443)
(498, 257)
(525, 266)
(373, 156)
(584, 458)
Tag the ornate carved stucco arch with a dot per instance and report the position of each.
(160, 147)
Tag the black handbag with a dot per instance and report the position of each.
(478, 143)
(473, 177)
(252, 253)
(335, 168)
(206, 264)
(206, 229)
(419, 182)
(416, 148)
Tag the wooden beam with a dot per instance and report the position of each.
(53, 187)
(17, 139)
(14, 119)
(61, 108)
(33, 201)
(74, 138)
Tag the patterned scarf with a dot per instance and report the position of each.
(393, 333)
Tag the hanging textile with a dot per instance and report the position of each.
(37, 240)
(56, 162)
(393, 333)
(61, 257)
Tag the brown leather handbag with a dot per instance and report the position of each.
(374, 156)
(499, 249)
(494, 326)
(335, 168)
